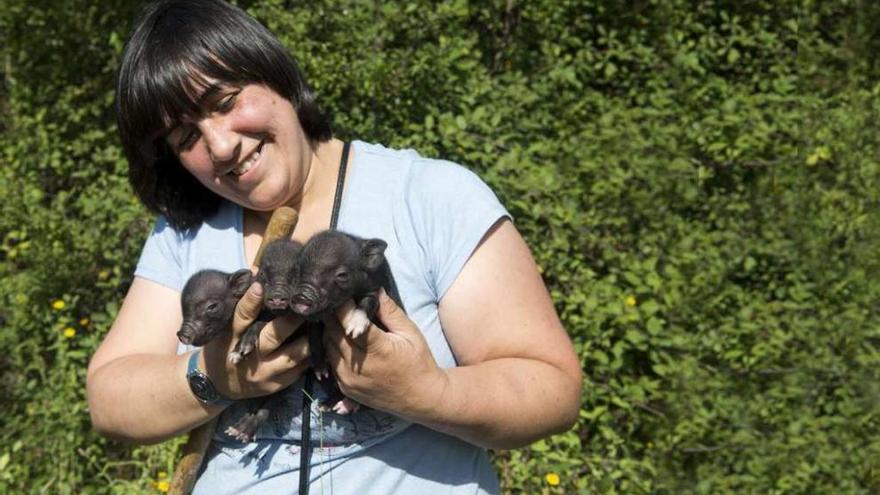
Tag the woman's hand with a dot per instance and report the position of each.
(393, 371)
(272, 366)
(517, 377)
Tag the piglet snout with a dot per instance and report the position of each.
(305, 299)
(277, 297)
(276, 303)
(184, 337)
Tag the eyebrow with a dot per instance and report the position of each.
(209, 92)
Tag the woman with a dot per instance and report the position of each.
(220, 129)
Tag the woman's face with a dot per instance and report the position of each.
(248, 146)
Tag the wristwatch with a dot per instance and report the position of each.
(202, 386)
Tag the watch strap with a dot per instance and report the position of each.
(201, 385)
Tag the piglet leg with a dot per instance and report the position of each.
(247, 343)
(335, 401)
(346, 406)
(315, 332)
(358, 320)
(248, 425)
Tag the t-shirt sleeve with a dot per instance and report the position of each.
(452, 209)
(161, 257)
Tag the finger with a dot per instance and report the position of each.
(276, 332)
(343, 347)
(334, 360)
(287, 378)
(391, 316)
(334, 336)
(288, 357)
(248, 308)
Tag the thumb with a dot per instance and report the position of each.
(248, 308)
(391, 315)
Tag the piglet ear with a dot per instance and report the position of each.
(239, 282)
(373, 254)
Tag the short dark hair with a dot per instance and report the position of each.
(176, 46)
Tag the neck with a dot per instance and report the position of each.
(315, 202)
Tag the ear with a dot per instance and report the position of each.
(373, 254)
(239, 282)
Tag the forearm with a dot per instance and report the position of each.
(501, 403)
(144, 399)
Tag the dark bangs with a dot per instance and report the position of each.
(177, 50)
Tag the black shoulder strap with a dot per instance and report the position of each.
(305, 452)
(340, 185)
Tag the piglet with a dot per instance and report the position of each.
(208, 301)
(336, 267)
(277, 273)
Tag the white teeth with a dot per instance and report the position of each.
(244, 167)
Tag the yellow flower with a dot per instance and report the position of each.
(820, 154)
(631, 301)
(552, 479)
(162, 474)
(163, 486)
(103, 274)
(58, 305)
(70, 332)
(84, 322)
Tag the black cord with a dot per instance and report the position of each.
(305, 452)
(340, 185)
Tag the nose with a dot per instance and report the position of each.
(224, 144)
(185, 337)
(305, 293)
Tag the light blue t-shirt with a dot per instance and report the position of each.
(432, 214)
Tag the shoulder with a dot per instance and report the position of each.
(417, 178)
(227, 217)
(439, 206)
(170, 254)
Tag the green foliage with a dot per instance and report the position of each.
(696, 179)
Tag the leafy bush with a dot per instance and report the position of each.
(697, 180)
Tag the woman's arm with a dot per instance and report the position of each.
(518, 377)
(136, 383)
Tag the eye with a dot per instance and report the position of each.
(212, 307)
(187, 136)
(226, 103)
(342, 276)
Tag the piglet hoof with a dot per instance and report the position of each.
(322, 373)
(241, 433)
(346, 406)
(356, 323)
(234, 357)
(246, 428)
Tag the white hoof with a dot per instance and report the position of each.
(346, 406)
(356, 323)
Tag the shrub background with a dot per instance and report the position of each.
(698, 181)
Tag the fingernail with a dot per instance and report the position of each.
(257, 289)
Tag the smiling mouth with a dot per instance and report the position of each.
(250, 162)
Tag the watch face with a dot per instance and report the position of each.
(202, 387)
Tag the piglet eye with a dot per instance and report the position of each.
(212, 307)
(342, 276)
